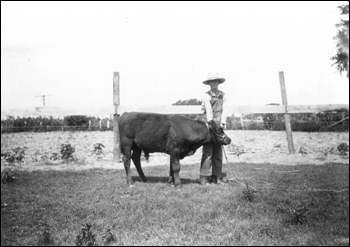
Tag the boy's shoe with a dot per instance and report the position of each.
(213, 179)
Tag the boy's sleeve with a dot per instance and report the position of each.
(206, 107)
(224, 110)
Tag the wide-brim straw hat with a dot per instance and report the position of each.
(214, 76)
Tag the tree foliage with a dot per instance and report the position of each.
(76, 120)
(188, 102)
(341, 59)
(191, 102)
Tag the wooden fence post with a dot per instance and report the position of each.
(286, 115)
(116, 103)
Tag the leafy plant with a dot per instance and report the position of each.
(98, 150)
(327, 151)
(236, 150)
(14, 155)
(248, 193)
(7, 177)
(108, 237)
(302, 151)
(4, 205)
(43, 157)
(55, 156)
(45, 238)
(85, 237)
(298, 214)
(343, 148)
(9, 156)
(67, 151)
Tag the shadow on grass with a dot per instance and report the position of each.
(153, 180)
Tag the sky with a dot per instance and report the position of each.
(163, 52)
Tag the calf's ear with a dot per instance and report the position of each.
(211, 122)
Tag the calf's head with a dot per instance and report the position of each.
(218, 134)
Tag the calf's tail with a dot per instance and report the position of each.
(146, 156)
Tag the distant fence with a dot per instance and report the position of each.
(102, 112)
(49, 128)
(309, 122)
(22, 124)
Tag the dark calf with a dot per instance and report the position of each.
(175, 135)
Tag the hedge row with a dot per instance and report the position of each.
(308, 122)
(44, 124)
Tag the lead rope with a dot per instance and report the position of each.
(227, 165)
(223, 149)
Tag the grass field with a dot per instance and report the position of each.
(263, 204)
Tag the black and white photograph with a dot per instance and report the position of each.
(167, 123)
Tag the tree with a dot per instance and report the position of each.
(188, 102)
(342, 38)
(76, 120)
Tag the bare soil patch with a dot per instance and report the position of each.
(256, 146)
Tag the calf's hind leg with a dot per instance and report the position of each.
(136, 158)
(175, 166)
(127, 159)
(171, 174)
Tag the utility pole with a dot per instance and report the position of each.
(43, 97)
(286, 115)
(116, 103)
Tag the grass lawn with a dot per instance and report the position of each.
(263, 204)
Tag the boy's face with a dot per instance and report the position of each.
(214, 84)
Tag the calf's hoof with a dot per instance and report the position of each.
(170, 180)
(130, 184)
(178, 187)
(177, 183)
